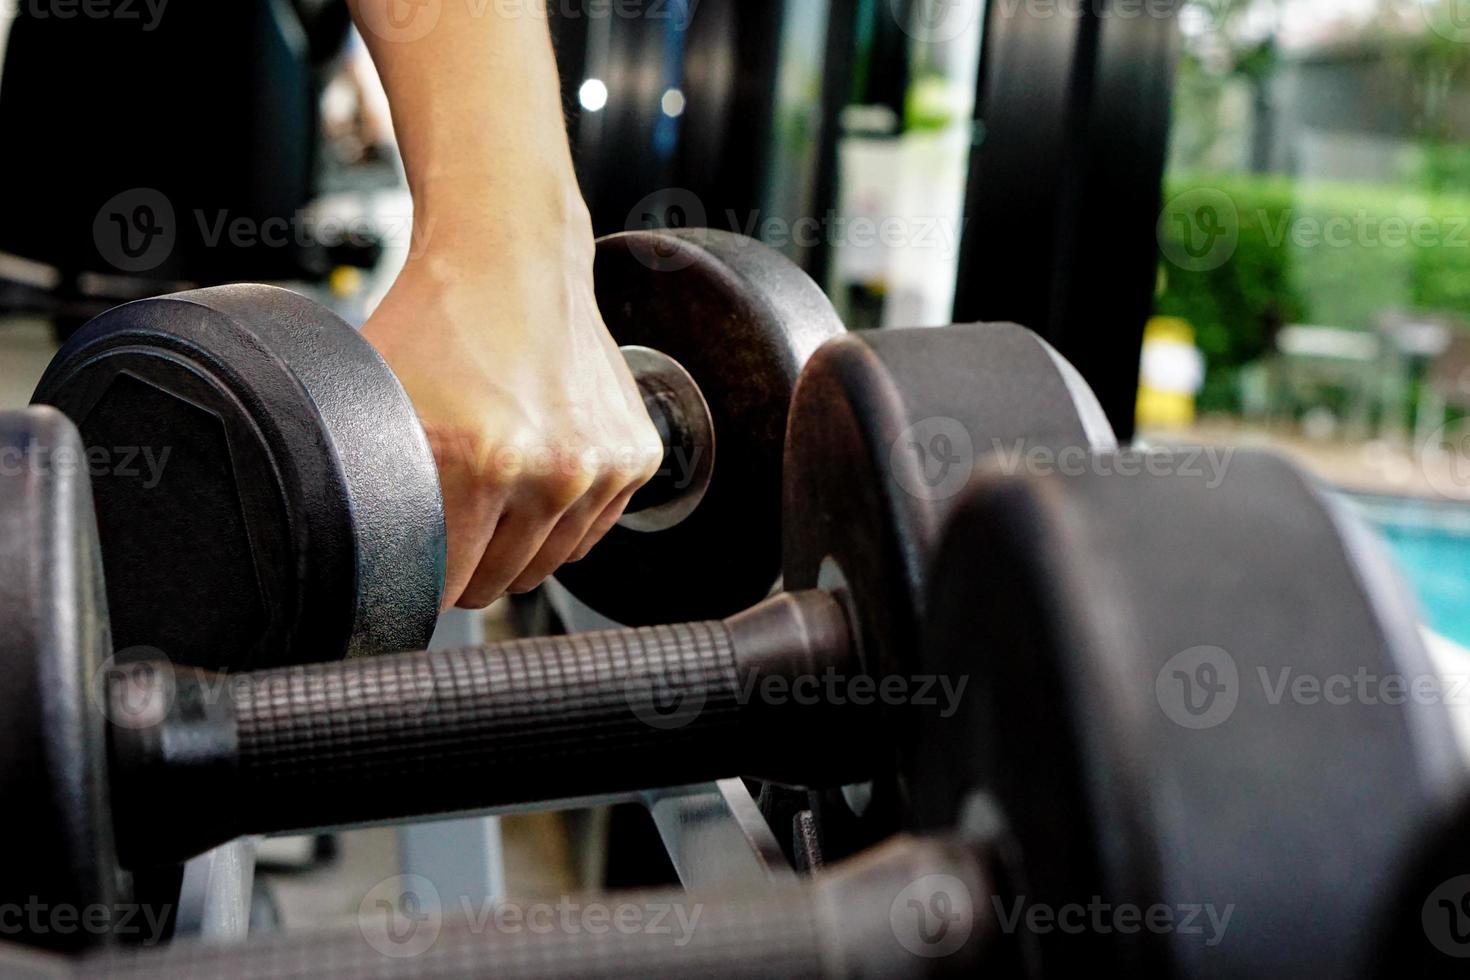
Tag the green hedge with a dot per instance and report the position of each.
(1391, 248)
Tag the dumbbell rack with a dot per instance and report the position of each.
(714, 833)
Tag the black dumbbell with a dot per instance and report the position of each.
(266, 495)
(914, 908)
(1126, 782)
(1424, 929)
(541, 718)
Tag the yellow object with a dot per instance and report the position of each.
(345, 281)
(1171, 375)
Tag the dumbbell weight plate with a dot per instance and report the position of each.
(742, 320)
(887, 428)
(53, 640)
(296, 515)
(1134, 645)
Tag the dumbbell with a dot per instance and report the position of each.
(266, 494)
(877, 916)
(1425, 927)
(519, 722)
(1126, 783)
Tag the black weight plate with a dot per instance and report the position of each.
(1426, 922)
(1141, 640)
(886, 429)
(58, 853)
(742, 320)
(296, 517)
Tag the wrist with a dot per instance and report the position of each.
(543, 211)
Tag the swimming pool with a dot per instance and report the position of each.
(1431, 541)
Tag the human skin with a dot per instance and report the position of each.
(537, 427)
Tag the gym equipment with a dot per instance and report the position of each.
(1229, 690)
(886, 429)
(1084, 806)
(863, 920)
(565, 716)
(266, 495)
(305, 747)
(1426, 927)
(264, 492)
(53, 635)
(743, 321)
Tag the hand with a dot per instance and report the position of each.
(539, 431)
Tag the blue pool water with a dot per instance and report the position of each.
(1431, 541)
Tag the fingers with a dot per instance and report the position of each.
(517, 540)
(473, 506)
(567, 536)
(548, 521)
(602, 524)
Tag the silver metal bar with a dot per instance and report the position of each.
(214, 899)
(717, 838)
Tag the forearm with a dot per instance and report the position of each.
(477, 110)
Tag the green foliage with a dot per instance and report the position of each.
(1329, 254)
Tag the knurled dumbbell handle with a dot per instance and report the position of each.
(454, 731)
(861, 921)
